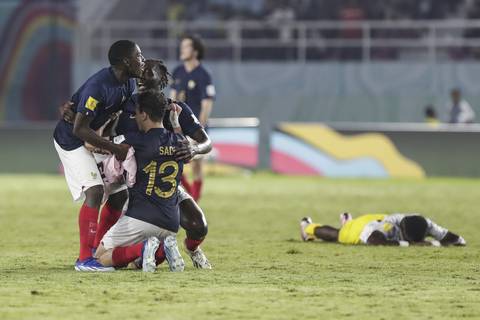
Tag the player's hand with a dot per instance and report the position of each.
(66, 111)
(94, 149)
(185, 151)
(121, 151)
(175, 110)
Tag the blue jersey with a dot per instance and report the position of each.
(100, 96)
(154, 198)
(126, 122)
(192, 87)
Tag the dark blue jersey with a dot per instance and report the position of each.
(192, 87)
(153, 198)
(126, 122)
(100, 96)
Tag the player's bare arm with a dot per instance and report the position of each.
(82, 130)
(206, 109)
(188, 150)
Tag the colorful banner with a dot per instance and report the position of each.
(316, 149)
(35, 59)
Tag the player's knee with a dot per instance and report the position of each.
(197, 233)
(94, 196)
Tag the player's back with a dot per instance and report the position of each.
(153, 198)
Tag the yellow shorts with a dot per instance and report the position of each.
(351, 230)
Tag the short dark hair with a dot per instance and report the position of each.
(414, 228)
(197, 45)
(153, 103)
(120, 50)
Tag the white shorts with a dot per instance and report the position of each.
(182, 194)
(128, 231)
(81, 171)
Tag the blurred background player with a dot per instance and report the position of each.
(193, 85)
(97, 99)
(381, 229)
(152, 213)
(460, 110)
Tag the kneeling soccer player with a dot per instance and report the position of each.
(152, 214)
(381, 229)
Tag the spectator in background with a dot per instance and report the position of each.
(431, 115)
(283, 16)
(460, 110)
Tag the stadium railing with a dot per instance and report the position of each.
(430, 40)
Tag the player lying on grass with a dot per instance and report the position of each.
(192, 218)
(152, 216)
(94, 102)
(381, 229)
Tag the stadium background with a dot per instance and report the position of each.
(351, 67)
(302, 89)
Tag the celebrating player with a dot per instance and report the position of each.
(193, 85)
(152, 212)
(380, 229)
(95, 101)
(192, 218)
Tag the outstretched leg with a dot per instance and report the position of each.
(310, 231)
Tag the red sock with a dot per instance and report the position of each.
(87, 223)
(160, 254)
(122, 256)
(191, 244)
(108, 217)
(197, 189)
(186, 185)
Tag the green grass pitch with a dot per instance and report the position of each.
(261, 268)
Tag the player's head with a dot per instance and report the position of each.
(127, 56)
(151, 105)
(456, 94)
(191, 47)
(414, 228)
(155, 76)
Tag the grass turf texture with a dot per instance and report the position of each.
(261, 269)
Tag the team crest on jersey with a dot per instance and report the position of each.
(191, 84)
(91, 104)
(94, 175)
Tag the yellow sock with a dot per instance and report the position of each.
(310, 229)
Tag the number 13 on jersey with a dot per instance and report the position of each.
(151, 170)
